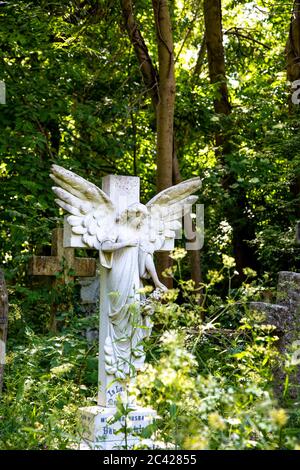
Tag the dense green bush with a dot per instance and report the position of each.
(75, 97)
(46, 379)
(210, 381)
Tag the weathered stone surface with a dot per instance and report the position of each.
(62, 260)
(126, 233)
(276, 315)
(90, 290)
(3, 325)
(285, 316)
(89, 300)
(100, 434)
(288, 289)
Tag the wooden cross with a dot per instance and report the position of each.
(62, 260)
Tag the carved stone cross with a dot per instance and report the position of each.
(123, 191)
(126, 234)
(62, 260)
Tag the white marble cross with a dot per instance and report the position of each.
(123, 191)
(126, 233)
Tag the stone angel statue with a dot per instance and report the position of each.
(126, 241)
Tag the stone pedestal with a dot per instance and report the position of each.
(100, 432)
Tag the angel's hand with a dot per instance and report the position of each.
(114, 246)
(161, 286)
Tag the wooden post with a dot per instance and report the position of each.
(3, 325)
(62, 260)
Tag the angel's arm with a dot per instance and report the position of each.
(150, 268)
(109, 246)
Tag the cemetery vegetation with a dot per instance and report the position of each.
(76, 97)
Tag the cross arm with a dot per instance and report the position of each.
(44, 266)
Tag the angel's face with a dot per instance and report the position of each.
(135, 216)
(136, 219)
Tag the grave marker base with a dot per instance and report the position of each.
(100, 434)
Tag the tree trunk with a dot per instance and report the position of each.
(3, 325)
(156, 86)
(149, 74)
(236, 210)
(293, 74)
(216, 58)
(194, 255)
(293, 45)
(166, 93)
(165, 106)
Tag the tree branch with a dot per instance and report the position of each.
(236, 32)
(149, 74)
(200, 59)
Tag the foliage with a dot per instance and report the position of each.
(46, 378)
(75, 97)
(211, 386)
(220, 410)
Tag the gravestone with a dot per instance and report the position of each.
(98, 432)
(284, 315)
(126, 233)
(298, 233)
(89, 302)
(3, 325)
(62, 260)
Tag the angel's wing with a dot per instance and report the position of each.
(167, 208)
(92, 211)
